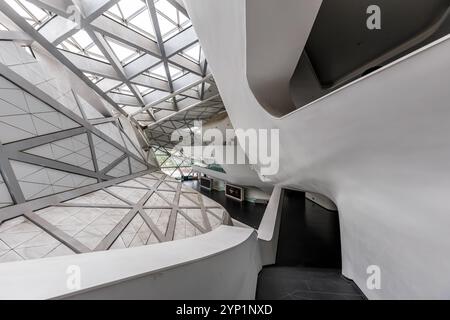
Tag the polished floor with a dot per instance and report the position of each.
(308, 263)
(246, 212)
(309, 234)
(300, 283)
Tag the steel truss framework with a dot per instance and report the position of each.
(144, 70)
(160, 135)
(173, 163)
(18, 150)
(153, 74)
(141, 209)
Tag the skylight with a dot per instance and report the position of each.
(172, 162)
(34, 15)
(115, 10)
(144, 90)
(193, 53)
(165, 25)
(168, 10)
(160, 72)
(93, 77)
(123, 89)
(130, 7)
(95, 51)
(171, 21)
(111, 39)
(175, 72)
(134, 15)
(122, 52)
(82, 43)
(82, 38)
(142, 24)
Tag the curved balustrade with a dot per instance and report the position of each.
(195, 268)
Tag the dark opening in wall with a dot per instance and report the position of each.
(309, 234)
(341, 47)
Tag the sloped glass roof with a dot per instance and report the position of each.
(122, 51)
(34, 15)
(151, 69)
(194, 53)
(82, 43)
(133, 14)
(173, 162)
(171, 21)
(141, 23)
(144, 90)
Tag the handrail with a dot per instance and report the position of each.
(269, 227)
(226, 257)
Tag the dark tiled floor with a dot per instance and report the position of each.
(309, 251)
(297, 283)
(309, 234)
(308, 265)
(245, 212)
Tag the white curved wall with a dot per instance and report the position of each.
(194, 268)
(379, 148)
(269, 43)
